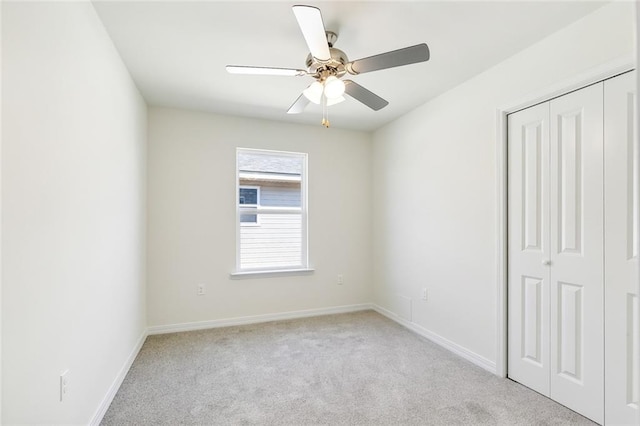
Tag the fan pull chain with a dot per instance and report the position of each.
(325, 112)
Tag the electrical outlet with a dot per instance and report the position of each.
(201, 290)
(340, 279)
(425, 294)
(64, 384)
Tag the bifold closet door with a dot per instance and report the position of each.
(577, 251)
(555, 227)
(622, 348)
(529, 247)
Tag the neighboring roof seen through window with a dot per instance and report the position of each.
(269, 164)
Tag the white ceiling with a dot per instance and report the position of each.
(176, 51)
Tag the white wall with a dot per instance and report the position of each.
(435, 199)
(73, 197)
(192, 237)
(637, 40)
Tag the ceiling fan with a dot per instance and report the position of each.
(328, 65)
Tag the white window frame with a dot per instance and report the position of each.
(303, 267)
(253, 206)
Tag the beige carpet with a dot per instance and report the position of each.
(349, 369)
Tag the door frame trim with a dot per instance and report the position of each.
(591, 76)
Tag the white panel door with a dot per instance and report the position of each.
(622, 348)
(576, 248)
(528, 357)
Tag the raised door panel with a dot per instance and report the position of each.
(622, 353)
(570, 331)
(576, 251)
(528, 148)
(570, 173)
(531, 325)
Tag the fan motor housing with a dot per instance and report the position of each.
(334, 66)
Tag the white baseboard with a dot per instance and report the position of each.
(113, 389)
(461, 351)
(202, 325)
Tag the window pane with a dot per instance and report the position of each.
(248, 196)
(249, 218)
(274, 239)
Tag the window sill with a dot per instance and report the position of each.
(272, 273)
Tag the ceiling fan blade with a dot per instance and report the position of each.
(365, 96)
(299, 105)
(287, 72)
(310, 22)
(395, 58)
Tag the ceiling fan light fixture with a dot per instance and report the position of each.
(327, 65)
(314, 92)
(333, 87)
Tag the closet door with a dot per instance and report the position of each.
(556, 250)
(576, 252)
(528, 200)
(622, 353)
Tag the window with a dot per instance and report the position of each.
(271, 210)
(249, 196)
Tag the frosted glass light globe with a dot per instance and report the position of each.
(314, 92)
(333, 87)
